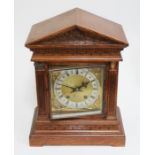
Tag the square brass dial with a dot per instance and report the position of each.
(76, 91)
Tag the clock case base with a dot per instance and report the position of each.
(84, 131)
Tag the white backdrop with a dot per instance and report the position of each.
(125, 12)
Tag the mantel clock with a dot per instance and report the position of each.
(76, 56)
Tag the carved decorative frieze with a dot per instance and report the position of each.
(76, 36)
(77, 51)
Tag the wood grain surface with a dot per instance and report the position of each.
(80, 18)
(77, 38)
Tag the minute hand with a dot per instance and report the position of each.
(68, 86)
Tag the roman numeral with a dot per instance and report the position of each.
(77, 71)
(60, 96)
(66, 102)
(67, 73)
(92, 97)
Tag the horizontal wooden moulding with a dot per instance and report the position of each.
(76, 58)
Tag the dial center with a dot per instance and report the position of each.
(76, 89)
(77, 94)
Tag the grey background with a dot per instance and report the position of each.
(27, 13)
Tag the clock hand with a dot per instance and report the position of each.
(76, 88)
(68, 86)
(84, 84)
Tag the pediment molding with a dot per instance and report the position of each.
(75, 37)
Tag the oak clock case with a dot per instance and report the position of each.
(76, 57)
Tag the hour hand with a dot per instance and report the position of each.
(84, 84)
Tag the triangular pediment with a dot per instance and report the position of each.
(75, 36)
(61, 28)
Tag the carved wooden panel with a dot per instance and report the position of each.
(76, 36)
(76, 51)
